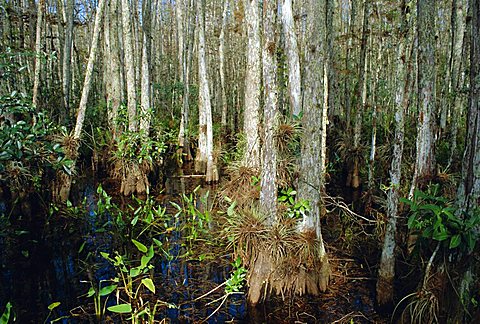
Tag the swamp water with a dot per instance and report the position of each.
(56, 259)
(47, 259)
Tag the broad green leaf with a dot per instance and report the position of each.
(441, 235)
(107, 290)
(134, 272)
(54, 305)
(140, 246)
(149, 284)
(121, 308)
(455, 241)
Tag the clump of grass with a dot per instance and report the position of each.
(291, 260)
(243, 185)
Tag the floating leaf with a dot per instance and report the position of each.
(121, 308)
(149, 284)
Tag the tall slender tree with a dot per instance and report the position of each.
(386, 272)
(425, 158)
(292, 57)
(311, 182)
(252, 85)
(128, 48)
(204, 161)
(38, 58)
(65, 181)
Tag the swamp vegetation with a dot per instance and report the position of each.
(307, 161)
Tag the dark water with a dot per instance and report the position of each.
(46, 259)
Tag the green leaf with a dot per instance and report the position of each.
(54, 305)
(121, 308)
(134, 272)
(134, 221)
(455, 241)
(6, 314)
(441, 235)
(157, 242)
(140, 246)
(91, 292)
(107, 290)
(149, 284)
(230, 210)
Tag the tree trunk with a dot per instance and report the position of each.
(311, 181)
(205, 161)
(268, 193)
(114, 94)
(292, 57)
(468, 194)
(146, 59)
(221, 54)
(457, 76)
(425, 159)
(38, 59)
(252, 86)
(65, 181)
(361, 105)
(386, 273)
(179, 8)
(129, 66)
(67, 55)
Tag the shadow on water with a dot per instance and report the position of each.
(45, 259)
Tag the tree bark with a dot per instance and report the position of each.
(292, 57)
(129, 66)
(386, 273)
(268, 183)
(146, 78)
(252, 86)
(38, 60)
(205, 159)
(221, 54)
(67, 55)
(425, 159)
(311, 181)
(66, 181)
